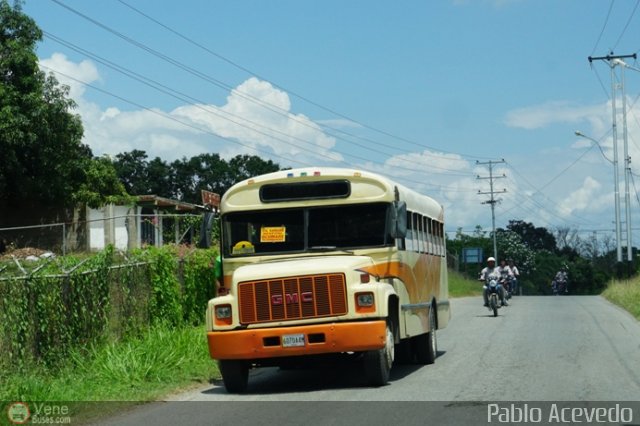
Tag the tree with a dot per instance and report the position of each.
(511, 246)
(44, 162)
(534, 238)
(101, 179)
(210, 172)
(245, 166)
(133, 169)
(159, 178)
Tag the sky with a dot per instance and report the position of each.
(436, 94)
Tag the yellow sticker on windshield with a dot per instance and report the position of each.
(243, 247)
(273, 234)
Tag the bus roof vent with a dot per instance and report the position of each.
(274, 192)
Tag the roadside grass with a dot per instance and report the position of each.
(459, 286)
(625, 294)
(159, 362)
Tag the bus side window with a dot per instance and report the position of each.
(409, 237)
(430, 235)
(416, 218)
(439, 239)
(425, 235)
(420, 232)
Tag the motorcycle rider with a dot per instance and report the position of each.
(506, 276)
(490, 271)
(514, 276)
(561, 276)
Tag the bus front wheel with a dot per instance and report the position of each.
(235, 375)
(377, 363)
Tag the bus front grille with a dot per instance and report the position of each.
(291, 298)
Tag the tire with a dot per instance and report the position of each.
(235, 375)
(403, 353)
(426, 345)
(377, 363)
(494, 305)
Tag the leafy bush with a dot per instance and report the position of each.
(73, 303)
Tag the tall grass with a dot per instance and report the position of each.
(459, 286)
(160, 361)
(625, 294)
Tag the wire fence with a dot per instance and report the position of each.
(48, 310)
(124, 232)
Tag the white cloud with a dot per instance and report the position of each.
(340, 123)
(448, 178)
(539, 116)
(256, 120)
(587, 196)
(257, 115)
(68, 73)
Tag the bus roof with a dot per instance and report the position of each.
(244, 195)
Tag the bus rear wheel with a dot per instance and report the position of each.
(377, 363)
(235, 375)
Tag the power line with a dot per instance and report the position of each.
(627, 25)
(274, 108)
(291, 92)
(169, 117)
(233, 118)
(613, 61)
(492, 200)
(255, 149)
(540, 191)
(606, 20)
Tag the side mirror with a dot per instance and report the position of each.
(205, 229)
(398, 219)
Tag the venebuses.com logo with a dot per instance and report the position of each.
(20, 413)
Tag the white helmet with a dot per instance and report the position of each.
(491, 259)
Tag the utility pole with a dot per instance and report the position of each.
(613, 61)
(492, 200)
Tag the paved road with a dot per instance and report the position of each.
(563, 348)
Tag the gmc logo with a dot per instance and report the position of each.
(289, 298)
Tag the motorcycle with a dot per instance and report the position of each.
(507, 284)
(493, 296)
(560, 287)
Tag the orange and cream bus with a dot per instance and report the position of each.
(327, 261)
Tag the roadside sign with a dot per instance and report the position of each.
(472, 255)
(210, 198)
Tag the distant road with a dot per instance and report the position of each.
(541, 348)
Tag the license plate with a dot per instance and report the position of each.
(292, 340)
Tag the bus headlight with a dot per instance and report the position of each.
(365, 299)
(365, 302)
(223, 314)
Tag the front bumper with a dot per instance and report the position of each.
(259, 343)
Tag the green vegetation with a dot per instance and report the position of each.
(625, 294)
(183, 179)
(106, 327)
(44, 162)
(142, 368)
(461, 286)
(133, 325)
(540, 253)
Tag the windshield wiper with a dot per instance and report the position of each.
(328, 248)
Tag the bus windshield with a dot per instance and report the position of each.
(305, 229)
